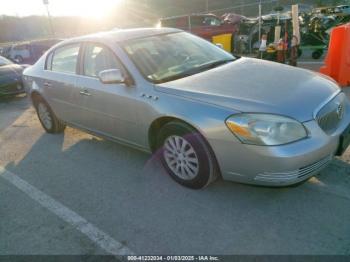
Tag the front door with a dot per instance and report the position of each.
(108, 109)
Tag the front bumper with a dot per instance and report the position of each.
(278, 165)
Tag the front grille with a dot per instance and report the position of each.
(295, 174)
(330, 116)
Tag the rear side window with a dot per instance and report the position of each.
(65, 59)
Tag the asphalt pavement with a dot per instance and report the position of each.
(75, 193)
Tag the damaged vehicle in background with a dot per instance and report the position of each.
(202, 111)
(203, 25)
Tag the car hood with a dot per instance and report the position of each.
(253, 85)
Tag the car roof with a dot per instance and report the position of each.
(120, 35)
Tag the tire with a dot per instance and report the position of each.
(317, 54)
(47, 118)
(181, 146)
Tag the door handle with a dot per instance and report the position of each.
(47, 84)
(85, 93)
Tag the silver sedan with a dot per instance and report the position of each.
(202, 111)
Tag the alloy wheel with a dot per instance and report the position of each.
(44, 115)
(181, 157)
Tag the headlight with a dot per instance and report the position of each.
(265, 129)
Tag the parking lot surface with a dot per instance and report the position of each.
(75, 193)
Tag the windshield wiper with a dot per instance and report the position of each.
(195, 70)
(215, 64)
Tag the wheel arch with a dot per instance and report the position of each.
(158, 123)
(34, 95)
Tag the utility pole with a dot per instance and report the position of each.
(260, 7)
(46, 3)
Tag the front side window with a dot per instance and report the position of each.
(65, 59)
(98, 58)
(163, 58)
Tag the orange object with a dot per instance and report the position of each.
(337, 62)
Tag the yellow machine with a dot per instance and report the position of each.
(225, 40)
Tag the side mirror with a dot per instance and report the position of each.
(111, 76)
(16, 61)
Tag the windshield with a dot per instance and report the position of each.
(163, 58)
(4, 61)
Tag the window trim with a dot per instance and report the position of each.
(48, 61)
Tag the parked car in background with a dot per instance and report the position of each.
(203, 25)
(19, 53)
(5, 50)
(10, 77)
(202, 111)
(31, 51)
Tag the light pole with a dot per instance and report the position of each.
(46, 3)
(260, 20)
(207, 6)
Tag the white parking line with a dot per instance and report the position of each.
(97, 236)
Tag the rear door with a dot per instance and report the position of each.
(60, 82)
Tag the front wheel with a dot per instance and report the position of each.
(186, 155)
(47, 118)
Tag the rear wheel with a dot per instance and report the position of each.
(186, 155)
(47, 118)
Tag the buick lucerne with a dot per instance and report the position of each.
(202, 111)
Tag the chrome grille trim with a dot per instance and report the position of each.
(295, 174)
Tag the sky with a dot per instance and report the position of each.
(89, 8)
